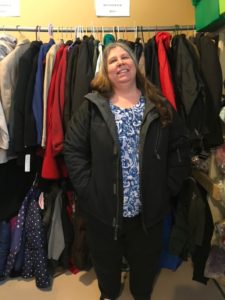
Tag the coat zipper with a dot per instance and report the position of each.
(116, 192)
(158, 137)
(102, 109)
(154, 117)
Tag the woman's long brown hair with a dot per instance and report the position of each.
(102, 84)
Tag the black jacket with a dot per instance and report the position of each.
(92, 156)
(198, 84)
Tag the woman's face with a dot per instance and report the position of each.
(121, 67)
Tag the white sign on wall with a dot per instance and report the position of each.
(9, 8)
(115, 8)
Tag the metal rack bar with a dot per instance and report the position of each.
(100, 29)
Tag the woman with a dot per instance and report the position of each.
(127, 153)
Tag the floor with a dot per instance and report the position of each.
(170, 285)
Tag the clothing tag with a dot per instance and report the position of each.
(27, 163)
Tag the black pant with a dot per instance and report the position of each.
(141, 249)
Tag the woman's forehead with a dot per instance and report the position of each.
(116, 50)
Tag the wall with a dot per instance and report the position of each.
(72, 13)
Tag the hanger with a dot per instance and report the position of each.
(102, 34)
(118, 32)
(76, 38)
(3, 29)
(93, 31)
(176, 30)
(125, 33)
(115, 32)
(142, 35)
(194, 31)
(62, 35)
(71, 34)
(138, 39)
(135, 33)
(37, 33)
(156, 29)
(50, 31)
(67, 33)
(82, 31)
(78, 32)
(21, 35)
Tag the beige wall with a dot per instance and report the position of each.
(82, 12)
(70, 13)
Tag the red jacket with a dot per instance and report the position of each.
(53, 166)
(163, 43)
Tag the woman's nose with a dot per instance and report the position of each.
(120, 62)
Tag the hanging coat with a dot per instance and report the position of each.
(213, 80)
(152, 62)
(190, 89)
(163, 43)
(35, 252)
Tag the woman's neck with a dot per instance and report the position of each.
(126, 98)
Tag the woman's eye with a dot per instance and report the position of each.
(112, 61)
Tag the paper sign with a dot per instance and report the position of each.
(109, 8)
(9, 8)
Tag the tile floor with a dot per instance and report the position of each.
(170, 285)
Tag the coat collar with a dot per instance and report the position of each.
(103, 102)
(103, 105)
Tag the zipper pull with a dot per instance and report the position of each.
(116, 232)
(178, 155)
(115, 225)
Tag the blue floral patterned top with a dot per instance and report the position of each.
(128, 122)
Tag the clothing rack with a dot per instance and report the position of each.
(116, 29)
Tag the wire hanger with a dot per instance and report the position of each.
(135, 33)
(142, 35)
(37, 33)
(3, 29)
(156, 29)
(176, 30)
(21, 35)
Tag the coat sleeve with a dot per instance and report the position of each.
(77, 150)
(179, 155)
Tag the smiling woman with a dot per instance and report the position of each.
(121, 150)
(122, 75)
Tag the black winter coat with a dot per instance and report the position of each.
(92, 156)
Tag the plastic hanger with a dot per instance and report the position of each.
(118, 32)
(76, 38)
(50, 31)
